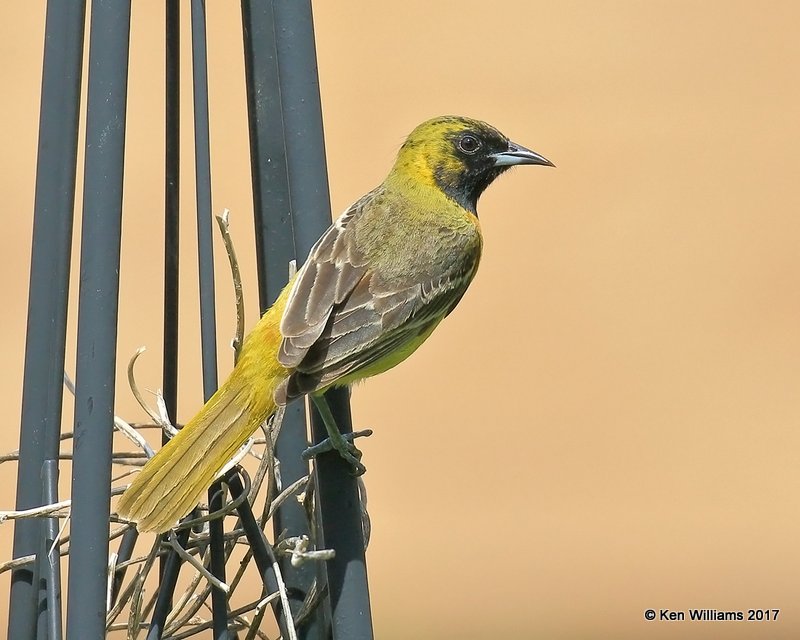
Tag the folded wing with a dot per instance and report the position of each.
(342, 317)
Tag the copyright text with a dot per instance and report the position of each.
(712, 615)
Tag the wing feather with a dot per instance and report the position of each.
(331, 272)
(342, 316)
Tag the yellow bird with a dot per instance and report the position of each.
(374, 287)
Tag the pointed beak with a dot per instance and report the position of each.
(517, 154)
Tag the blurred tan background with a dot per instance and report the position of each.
(609, 422)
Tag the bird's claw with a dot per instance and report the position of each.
(345, 448)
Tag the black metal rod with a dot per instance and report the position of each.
(302, 119)
(308, 184)
(340, 506)
(124, 553)
(207, 303)
(202, 150)
(49, 627)
(40, 424)
(97, 317)
(171, 216)
(262, 552)
(275, 247)
(171, 210)
(169, 578)
(219, 600)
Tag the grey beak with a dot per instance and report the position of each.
(517, 154)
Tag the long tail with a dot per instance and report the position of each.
(173, 481)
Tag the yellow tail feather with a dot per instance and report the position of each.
(173, 481)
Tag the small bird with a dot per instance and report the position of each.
(374, 287)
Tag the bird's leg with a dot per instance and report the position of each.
(326, 445)
(341, 443)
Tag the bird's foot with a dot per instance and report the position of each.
(343, 444)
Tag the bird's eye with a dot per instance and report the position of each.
(469, 143)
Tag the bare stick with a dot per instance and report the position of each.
(224, 228)
(156, 416)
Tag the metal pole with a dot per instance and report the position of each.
(171, 209)
(302, 118)
(207, 304)
(219, 600)
(340, 506)
(171, 566)
(275, 247)
(50, 561)
(40, 424)
(202, 152)
(169, 578)
(97, 317)
(308, 184)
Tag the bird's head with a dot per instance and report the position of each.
(460, 156)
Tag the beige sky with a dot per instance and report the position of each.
(609, 421)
